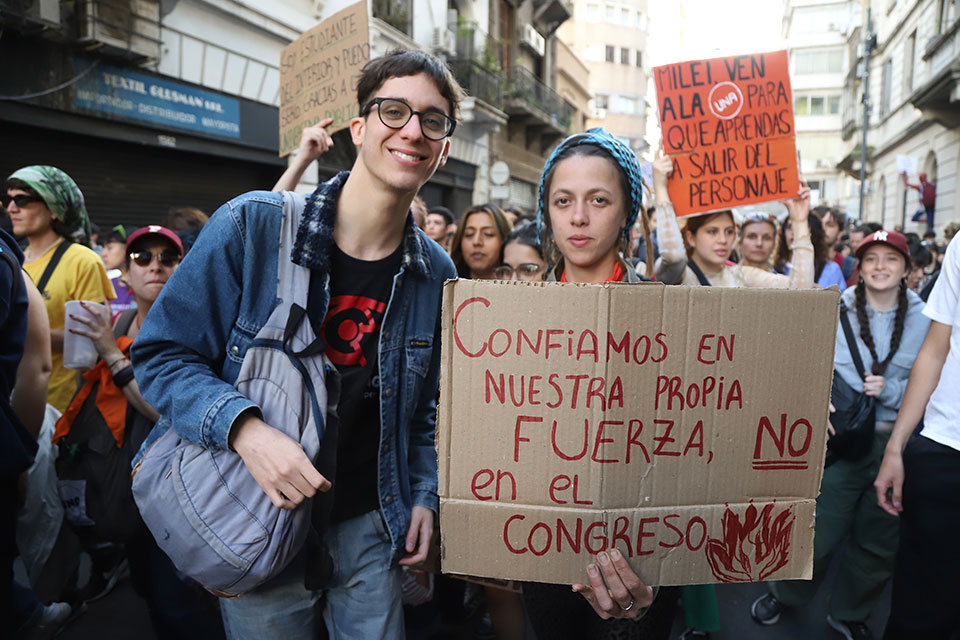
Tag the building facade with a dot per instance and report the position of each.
(817, 33)
(914, 110)
(610, 36)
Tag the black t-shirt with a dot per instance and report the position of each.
(359, 293)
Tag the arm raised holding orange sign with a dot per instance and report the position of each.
(709, 240)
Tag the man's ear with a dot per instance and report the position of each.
(358, 129)
(444, 153)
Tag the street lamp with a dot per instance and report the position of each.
(869, 44)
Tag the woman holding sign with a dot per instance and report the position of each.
(710, 238)
(590, 195)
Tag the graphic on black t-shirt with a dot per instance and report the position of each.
(348, 320)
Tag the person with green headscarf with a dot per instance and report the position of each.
(46, 206)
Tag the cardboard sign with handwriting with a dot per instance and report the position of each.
(319, 73)
(728, 124)
(685, 426)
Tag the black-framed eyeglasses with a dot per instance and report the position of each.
(395, 114)
(144, 258)
(21, 200)
(525, 271)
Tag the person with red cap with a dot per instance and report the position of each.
(888, 324)
(177, 609)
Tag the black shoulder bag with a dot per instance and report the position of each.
(854, 420)
(698, 272)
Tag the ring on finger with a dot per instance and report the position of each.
(633, 601)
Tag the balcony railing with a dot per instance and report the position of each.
(477, 64)
(525, 90)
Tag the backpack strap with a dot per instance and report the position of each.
(52, 265)
(124, 320)
(697, 272)
(293, 281)
(851, 340)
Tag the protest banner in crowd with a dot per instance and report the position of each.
(685, 426)
(728, 125)
(319, 73)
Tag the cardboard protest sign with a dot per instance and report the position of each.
(319, 73)
(728, 124)
(685, 426)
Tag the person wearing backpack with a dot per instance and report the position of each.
(888, 325)
(99, 434)
(374, 292)
(47, 207)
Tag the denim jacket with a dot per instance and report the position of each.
(189, 351)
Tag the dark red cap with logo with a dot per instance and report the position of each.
(891, 239)
(156, 230)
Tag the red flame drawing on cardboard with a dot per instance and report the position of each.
(753, 549)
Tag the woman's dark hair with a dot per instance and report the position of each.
(58, 227)
(821, 252)
(525, 234)
(501, 224)
(693, 225)
(898, 322)
(551, 254)
(400, 64)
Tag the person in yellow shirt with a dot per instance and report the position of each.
(46, 206)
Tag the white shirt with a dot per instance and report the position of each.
(941, 422)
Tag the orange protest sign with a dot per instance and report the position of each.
(728, 125)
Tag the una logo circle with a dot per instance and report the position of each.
(725, 100)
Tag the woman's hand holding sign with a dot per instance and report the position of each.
(615, 591)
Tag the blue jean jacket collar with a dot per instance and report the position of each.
(314, 242)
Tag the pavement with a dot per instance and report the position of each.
(122, 615)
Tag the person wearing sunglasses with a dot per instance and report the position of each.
(177, 608)
(47, 207)
(374, 296)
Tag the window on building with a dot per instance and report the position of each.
(641, 20)
(625, 104)
(819, 61)
(593, 53)
(625, 17)
(947, 15)
(909, 60)
(610, 14)
(611, 53)
(624, 56)
(886, 88)
(593, 13)
(816, 105)
(601, 101)
(639, 58)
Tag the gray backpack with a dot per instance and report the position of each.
(203, 507)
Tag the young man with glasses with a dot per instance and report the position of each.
(374, 296)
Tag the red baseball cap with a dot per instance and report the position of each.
(156, 230)
(891, 239)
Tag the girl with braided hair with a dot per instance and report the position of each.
(888, 323)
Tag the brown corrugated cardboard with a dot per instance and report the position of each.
(684, 425)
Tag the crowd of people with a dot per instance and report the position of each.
(175, 314)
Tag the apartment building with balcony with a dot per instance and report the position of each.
(817, 33)
(914, 108)
(109, 90)
(610, 36)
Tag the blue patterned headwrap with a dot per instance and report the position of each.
(622, 154)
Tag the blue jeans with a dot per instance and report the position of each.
(362, 601)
